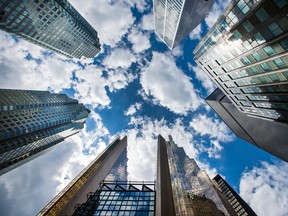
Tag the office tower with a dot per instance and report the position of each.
(174, 19)
(54, 24)
(180, 181)
(239, 205)
(245, 53)
(31, 122)
(270, 136)
(102, 188)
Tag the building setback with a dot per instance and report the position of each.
(31, 122)
(271, 136)
(238, 204)
(54, 24)
(245, 53)
(175, 19)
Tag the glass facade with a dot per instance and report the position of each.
(245, 53)
(54, 25)
(120, 198)
(174, 20)
(238, 204)
(34, 121)
(192, 187)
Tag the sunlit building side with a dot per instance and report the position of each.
(245, 53)
(175, 19)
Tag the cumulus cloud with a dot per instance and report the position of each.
(169, 86)
(25, 66)
(133, 109)
(207, 83)
(216, 11)
(217, 132)
(42, 178)
(196, 33)
(147, 22)
(110, 19)
(119, 79)
(264, 188)
(119, 57)
(140, 41)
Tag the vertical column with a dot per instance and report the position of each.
(86, 181)
(164, 196)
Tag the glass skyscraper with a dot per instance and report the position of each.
(31, 122)
(175, 19)
(245, 53)
(53, 24)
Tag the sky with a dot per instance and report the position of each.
(136, 87)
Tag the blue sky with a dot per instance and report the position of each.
(137, 87)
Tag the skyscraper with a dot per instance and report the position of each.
(92, 192)
(270, 136)
(174, 19)
(239, 205)
(31, 122)
(182, 186)
(54, 24)
(245, 53)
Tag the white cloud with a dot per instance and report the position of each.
(140, 41)
(119, 57)
(133, 109)
(147, 22)
(196, 33)
(216, 11)
(90, 86)
(141, 5)
(265, 188)
(216, 130)
(177, 51)
(169, 85)
(110, 20)
(119, 79)
(17, 72)
(207, 83)
(27, 189)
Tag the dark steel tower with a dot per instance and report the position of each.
(53, 24)
(31, 122)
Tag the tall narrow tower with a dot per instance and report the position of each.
(53, 24)
(31, 122)
(175, 19)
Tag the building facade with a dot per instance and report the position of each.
(191, 191)
(239, 205)
(31, 122)
(55, 25)
(174, 19)
(271, 136)
(245, 54)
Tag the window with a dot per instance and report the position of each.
(265, 67)
(274, 77)
(257, 56)
(237, 34)
(275, 29)
(284, 43)
(245, 61)
(269, 51)
(248, 26)
(243, 6)
(279, 63)
(254, 70)
(280, 3)
(261, 15)
(262, 80)
(259, 38)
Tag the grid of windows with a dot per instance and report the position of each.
(120, 198)
(55, 25)
(31, 121)
(252, 58)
